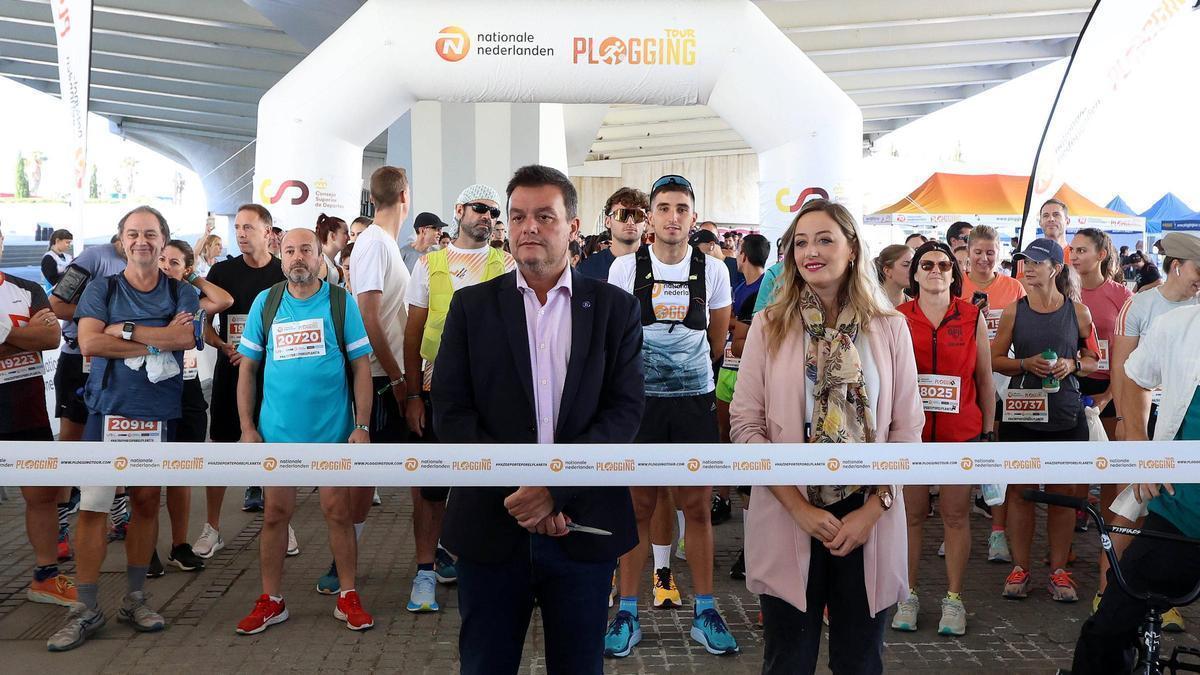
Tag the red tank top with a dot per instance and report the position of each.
(946, 357)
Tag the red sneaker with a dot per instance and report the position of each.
(64, 548)
(349, 609)
(266, 613)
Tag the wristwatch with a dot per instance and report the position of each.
(151, 349)
(127, 330)
(885, 496)
(362, 427)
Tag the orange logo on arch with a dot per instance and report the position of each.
(121, 463)
(556, 465)
(966, 463)
(270, 464)
(693, 465)
(1102, 463)
(412, 464)
(453, 44)
(833, 464)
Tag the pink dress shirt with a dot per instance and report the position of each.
(549, 328)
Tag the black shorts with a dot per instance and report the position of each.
(680, 419)
(430, 494)
(1020, 433)
(38, 434)
(1090, 386)
(69, 381)
(387, 420)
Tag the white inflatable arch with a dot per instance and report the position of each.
(313, 124)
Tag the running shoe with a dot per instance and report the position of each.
(612, 590)
(709, 629)
(1172, 621)
(954, 618)
(1062, 586)
(209, 543)
(738, 570)
(981, 507)
(1096, 601)
(134, 612)
(942, 550)
(443, 567)
(722, 509)
(1081, 521)
(183, 557)
(73, 502)
(680, 550)
(375, 500)
(253, 500)
(905, 618)
(349, 609)
(998, 547)
(81, 624)
(64, 545)
(423, 598)
(293, 548)
(156, 569)
(266, 613)
(623, 635)
(666, 593)
(57, 590)
(1016, 586)
(116, 531)
(329, 584)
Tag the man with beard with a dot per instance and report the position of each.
(294, 327)
(467, 261)
(625, 215)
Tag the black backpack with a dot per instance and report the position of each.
(643, 287)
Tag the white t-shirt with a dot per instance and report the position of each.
(466, 269)
(1143, 308)
(676, 358)
(377, 266)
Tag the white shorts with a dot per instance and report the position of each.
(97, 499)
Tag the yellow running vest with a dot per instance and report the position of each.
(441, 289)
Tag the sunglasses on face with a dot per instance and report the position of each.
(672, 179)
(942, 265)
(623, 214)
(483, 208)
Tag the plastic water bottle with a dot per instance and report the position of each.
(993, 493)
(1050, 383)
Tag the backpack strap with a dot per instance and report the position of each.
(643, 284)
(337, 306)
(271, 307)
(696, 318)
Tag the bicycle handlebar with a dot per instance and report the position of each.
(1055, 499)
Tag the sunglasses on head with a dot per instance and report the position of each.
(483, 208)
(672, 179)
(623, 214)
(942, 265)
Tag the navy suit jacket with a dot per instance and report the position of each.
(483, 394)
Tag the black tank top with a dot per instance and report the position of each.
(1033, 333)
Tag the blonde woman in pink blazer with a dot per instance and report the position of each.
(828, 361)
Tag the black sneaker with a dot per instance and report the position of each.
(738, 571)
(1081, 521)
(982, 507)
(253, 502)
(185, 558)
(156, 567)
(721, 510)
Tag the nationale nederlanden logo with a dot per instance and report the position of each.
(966, 463)
(556, 465)
(121, 463)
(270, 464)
(693, 465)
(453, 44)
(1102, 463)
(412, 464)
(833, 464)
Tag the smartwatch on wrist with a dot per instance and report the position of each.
(362, 427)
(127, 330)
(153, 350)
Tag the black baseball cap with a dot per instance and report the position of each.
(427, 219)
(703, 237)
(1041, 250)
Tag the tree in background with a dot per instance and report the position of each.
(129, 164)
(22, 179)
(93, 185)
(35, 176)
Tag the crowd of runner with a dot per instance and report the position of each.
(331, 335)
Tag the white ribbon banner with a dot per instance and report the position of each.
(73, 30)
(275, 464)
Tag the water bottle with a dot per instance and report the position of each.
(1050, 383)
(993, 493)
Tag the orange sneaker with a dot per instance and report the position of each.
(349, 609)
(57, 590)
(266, 613)
(1062, 587)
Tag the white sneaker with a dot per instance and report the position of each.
(906, 614)
(375, 500)
(954, 618)
(998, 550)
(209, 543)
(293, 545)
(942, 550)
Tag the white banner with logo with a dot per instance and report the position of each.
(73, 30)
(712, 464)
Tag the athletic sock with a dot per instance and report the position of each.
(135, 576)
(44, 572)
(276, 598)
(679, 519)
(997, 528)
(358, 528)
(424, 567)
(954, 596)
(628, 604)
(118, 510)
(88, 595)
(662, 556)
(64, 512)
(704, 602)
(342, 594)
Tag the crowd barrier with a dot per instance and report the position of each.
(280, 464)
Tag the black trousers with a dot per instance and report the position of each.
(793, 638)
(1108, 640)
(496, 603)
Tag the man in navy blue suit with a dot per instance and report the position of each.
(539, 355)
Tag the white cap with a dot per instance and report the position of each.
(477, 192)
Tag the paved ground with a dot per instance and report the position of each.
(1032, 636)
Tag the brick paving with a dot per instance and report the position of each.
(1030, 636)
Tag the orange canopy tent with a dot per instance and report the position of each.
(990, 199)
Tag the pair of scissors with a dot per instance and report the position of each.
(586, 529)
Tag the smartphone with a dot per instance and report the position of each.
(70, 285)
(979, 299)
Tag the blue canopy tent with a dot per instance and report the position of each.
(1117, 204)
(1169, 208)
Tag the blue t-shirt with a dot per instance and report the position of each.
(596, 266)
(1183, 508)
(735, 275)
(767, 287)
(115, 389)
(99, 262)
(306, 398)
(742, 292)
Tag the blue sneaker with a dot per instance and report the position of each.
(623, 635)
(328, 584)
(423, 597)
(253, 501)
(443, 567)
(709, 629)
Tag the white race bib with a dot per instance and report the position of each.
(1103, 355)
(1026, 405)
(237, 326)
(939, 393)
(1156, 396)
(119, 429)
(21, 366)
(730, 361)
(191, 369)
(993, 322)
(298, 339)
(87, 365)
(670, 301)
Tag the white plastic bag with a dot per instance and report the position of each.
(1095, 426)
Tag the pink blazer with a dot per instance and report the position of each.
(768, 408)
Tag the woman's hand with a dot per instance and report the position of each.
(856, 528)
(817, 522)
(1063, 367)
(1037, 365)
